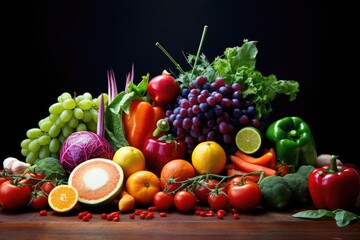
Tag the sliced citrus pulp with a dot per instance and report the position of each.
(248, 140)
(63, 198)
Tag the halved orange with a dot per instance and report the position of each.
(63, 198)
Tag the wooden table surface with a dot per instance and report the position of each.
(257, 224)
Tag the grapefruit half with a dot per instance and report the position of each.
(98, 181)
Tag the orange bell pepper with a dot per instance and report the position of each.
(140, 123)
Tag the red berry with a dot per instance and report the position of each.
(43, 213)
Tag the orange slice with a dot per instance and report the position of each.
(63, 198)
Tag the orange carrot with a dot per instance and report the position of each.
(254, 178)
(272, 162)
(263, 160)
(251, 167)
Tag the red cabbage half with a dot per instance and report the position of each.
(81, 146)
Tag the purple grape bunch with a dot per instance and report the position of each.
(211, 111)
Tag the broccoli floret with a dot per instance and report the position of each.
(276, 192)
(305, 170)
(298, 183)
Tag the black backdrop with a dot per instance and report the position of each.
(58, 46)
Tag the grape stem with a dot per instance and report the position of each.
(200, 47)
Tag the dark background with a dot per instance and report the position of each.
(57, 46)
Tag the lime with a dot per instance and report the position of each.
(248, 140)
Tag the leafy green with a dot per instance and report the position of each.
(342, 217)
(114, 127)
(238, 65)
(51, 167)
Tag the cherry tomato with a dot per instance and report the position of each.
(14, 196)
(218, 200)
(39, 200)
(184, 200)
(32, 178)
(203, 189)
(245, 197)
(163, 201)
(46, 187)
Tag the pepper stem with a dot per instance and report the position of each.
(162, 125)
(333, 164)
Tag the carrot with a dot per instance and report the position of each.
(263, 160)
(251, 167)
(254, 178)
(272, 162)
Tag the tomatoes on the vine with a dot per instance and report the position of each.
(163, 201)
(245, 196)
(204, 187)
(184, 200)
(14, 196)
(3, 177)
(218, 200)
(32, 178)
(46, 187)
(39, 200)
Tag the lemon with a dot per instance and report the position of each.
(130, 159)
(248, 140)
(208, 157)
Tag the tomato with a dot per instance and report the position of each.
(184, 200)
(3, 177)
(245, 197)
(39, 200)
(163, 201)
(46, 187)
(14, 196)
(203, 189)
(163, 89)
(32, 178)
(218, 200)
(235, 181)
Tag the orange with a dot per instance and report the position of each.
(130, 159)
(143, 185)
(63, 198)
(176, 170)
(208, 157)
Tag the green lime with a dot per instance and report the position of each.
(248, 140)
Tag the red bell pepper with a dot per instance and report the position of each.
(333, 186)
(159, 151)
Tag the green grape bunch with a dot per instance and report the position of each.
(69, 114)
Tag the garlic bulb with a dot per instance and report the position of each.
(15, 166)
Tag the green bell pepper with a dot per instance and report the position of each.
(293, 142)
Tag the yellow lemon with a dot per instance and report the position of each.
(130, 159)
(208, 157)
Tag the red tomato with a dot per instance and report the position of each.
(203, 189)
(245, 197)
(235, 181)
(163, 201)
(32, 178)
(46, 187)
(3, 177)
(184, 200)
(39, 200)
(14, 196)
(218, 201)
